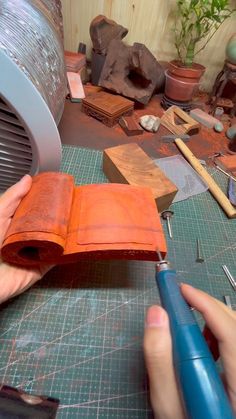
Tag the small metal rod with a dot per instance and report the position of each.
(200, 258)
(169, 227)
(229, 276)
(228, 301)
(227, 174)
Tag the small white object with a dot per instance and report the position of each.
(219, 111)
(150, 122)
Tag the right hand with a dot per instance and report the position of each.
(221, 320)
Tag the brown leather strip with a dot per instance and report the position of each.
(58, 222)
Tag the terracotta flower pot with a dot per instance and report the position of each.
(181, 82)
(178, 69)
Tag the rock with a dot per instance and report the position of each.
(231, 132)
(218, 127)
(131, 71)
(150, 122)
(102, 31)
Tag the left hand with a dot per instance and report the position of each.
(15, 280)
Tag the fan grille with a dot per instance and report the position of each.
(15, 147)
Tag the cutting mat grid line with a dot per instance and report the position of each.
(77, 334)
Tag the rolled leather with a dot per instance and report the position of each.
(58, 222)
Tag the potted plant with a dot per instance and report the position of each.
(196, 20)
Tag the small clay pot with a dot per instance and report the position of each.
(182, 82)
(179, 89)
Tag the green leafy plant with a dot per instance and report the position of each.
(197, 20)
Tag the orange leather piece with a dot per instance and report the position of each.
(58, 222)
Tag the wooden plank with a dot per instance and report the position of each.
(213, 187)
(75, 87)
(130, 164)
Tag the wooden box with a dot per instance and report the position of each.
(130, 164)
(106, 107)
(74, 61)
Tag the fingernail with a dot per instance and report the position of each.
(156, 317)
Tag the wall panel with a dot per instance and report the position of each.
(149, 22)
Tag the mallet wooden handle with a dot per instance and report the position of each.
(213, 187)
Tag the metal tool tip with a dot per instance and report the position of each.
(159, 255)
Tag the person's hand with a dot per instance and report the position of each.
(221, 320)
(14, 280)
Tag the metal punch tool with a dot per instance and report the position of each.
(229, 276)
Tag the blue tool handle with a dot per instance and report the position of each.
(202, 389)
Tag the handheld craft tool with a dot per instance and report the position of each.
(202, 389)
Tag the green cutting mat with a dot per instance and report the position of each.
(77, 334)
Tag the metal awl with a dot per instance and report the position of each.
(200, 257)
(229, 276)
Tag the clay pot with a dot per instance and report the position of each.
(181, 82)
(195, 72)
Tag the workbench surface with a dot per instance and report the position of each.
(77, 334)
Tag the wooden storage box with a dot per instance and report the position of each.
(106, 107)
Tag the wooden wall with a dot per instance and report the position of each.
(149, 22)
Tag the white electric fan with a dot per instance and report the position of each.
(32, 80)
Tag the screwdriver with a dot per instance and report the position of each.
(202, 390)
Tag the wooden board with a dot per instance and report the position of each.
(75, 87)
(169, 120)
(130, 164)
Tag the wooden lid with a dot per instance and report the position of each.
(108, 104)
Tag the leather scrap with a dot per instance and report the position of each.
(58, 222)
